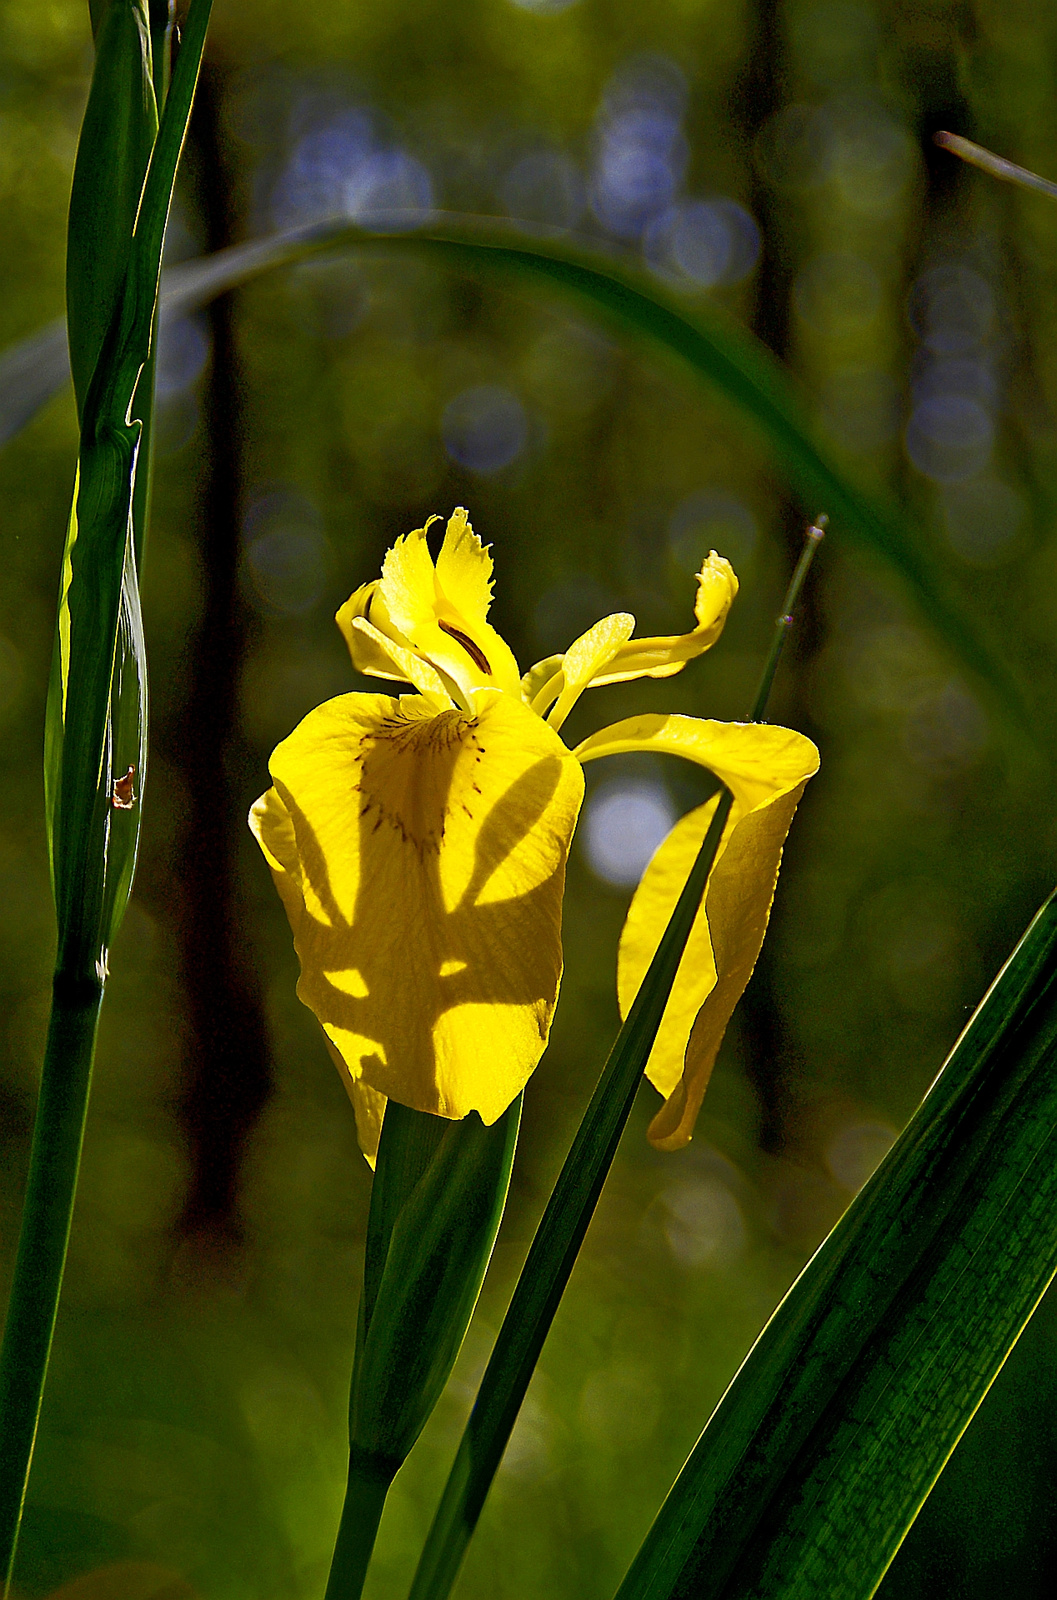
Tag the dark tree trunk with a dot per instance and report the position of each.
(227, 1061)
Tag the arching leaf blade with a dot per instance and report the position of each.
(707, 342)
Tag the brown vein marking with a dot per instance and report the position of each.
(475, 653)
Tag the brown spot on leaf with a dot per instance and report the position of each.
(123, 795)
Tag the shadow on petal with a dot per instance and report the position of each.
(432, 853)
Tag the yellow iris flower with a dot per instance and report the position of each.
(419, 844)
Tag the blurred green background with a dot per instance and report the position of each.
(774, 158)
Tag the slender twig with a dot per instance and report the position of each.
(812, 539)
(561, 1232)
(997, 166)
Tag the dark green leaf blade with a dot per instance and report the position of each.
(828, 1441)
(96, 711)
(439, 1192)
(118, 133)
(99, 644)
(410, 1140)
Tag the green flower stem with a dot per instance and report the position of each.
(571, 1206)
(369, 1481)
(54, 1159)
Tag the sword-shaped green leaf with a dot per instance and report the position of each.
(438, 1249)
(826, 1444)
(96, 718)
(98, 684)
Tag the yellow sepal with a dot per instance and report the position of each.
(766, 769)
(421, 857)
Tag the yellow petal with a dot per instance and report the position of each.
(273, 828)
(368, 1108)
(367, 655)
(541, 684)
(441, 612)
(752, 758)
(464, 569)
(766, 769)
(406, 663)
(648, 915)
(587, 657)
(431, 852)
(662, 657)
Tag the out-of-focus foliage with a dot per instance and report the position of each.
(194, 1424)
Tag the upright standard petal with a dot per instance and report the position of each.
(440, 612)
(766, 769)
(373, 656)
(421, 856)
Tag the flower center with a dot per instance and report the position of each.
(412, 771)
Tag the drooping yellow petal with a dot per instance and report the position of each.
(766, 769)
(752, 758)
(431, 852)
(273, 829)
(368, 1107)
(662, 657)
(441, 611)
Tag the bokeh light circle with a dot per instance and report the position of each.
(484, 428)
(949, 437)
(624, 822)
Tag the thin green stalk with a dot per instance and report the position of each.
(812, 539)
(54, 1160)
(368, 1486)
(561, 1232)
